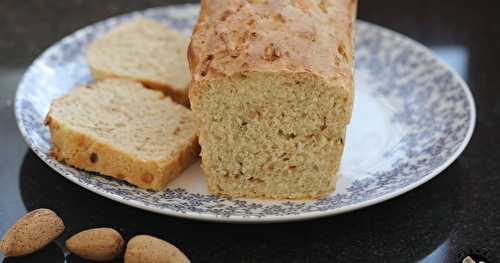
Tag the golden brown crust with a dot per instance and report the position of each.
(183, 160)
(85, 152)
(143, 50)
(303, 39)
(313, 36)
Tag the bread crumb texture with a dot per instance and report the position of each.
(272, 93)
(121, 129)
(143, 50)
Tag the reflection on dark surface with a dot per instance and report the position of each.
(422, 224)
(12, 147)
(71, 258)
(439, 254)
(457, 57)
(51, 253)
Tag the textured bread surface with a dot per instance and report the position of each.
(272, 93)
(145, 51)
(119, 128)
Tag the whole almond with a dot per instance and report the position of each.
(97, 244)
(32, 232)
(144, 248)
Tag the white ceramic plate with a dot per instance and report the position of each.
(412, 118)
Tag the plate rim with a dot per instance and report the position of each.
(268, 218)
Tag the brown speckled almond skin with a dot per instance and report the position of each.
(149, 249)
(32, 232)
(97, 244)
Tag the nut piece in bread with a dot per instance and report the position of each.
(272, 93)
(146, 51)
(119, 128)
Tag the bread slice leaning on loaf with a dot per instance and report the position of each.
(146, 51)
(272, 93)
(119, 128)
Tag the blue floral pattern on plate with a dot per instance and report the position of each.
(427, 113)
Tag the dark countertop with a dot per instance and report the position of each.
(457, 211)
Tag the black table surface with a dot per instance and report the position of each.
(457, 212)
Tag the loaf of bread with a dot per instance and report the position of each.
(272, 93)
(143, 50)
(121, 129)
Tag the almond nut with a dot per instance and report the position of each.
(144, 248)
(32, 232)
(97, 244)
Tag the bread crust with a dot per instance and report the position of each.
(144, 31)
(76, 149)
(309, 36)
(87, 152)
(303, 39)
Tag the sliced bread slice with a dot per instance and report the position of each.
(119, 128)
(146, 51)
